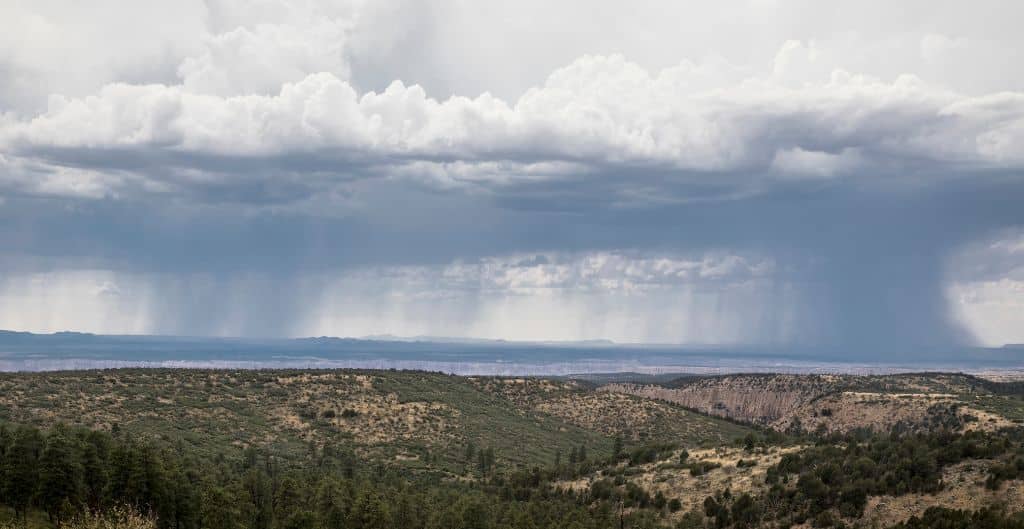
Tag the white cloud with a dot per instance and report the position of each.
(86, 300)
(799, 62)
(53, 47)
(538, 274)
(261, 59)
(599, 113)
(993, 310)
(29, 177)
(193, 87)
(798, 162)
(986, 286)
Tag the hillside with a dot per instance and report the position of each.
(405, 416)
(729, 474)
(317, 449)
(631, 418)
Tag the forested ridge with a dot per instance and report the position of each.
(66, 474)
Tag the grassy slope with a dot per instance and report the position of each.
(402, 416)
(636, 420)
(400, 412)
(491, 421)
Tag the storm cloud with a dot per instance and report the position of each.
(275, 169)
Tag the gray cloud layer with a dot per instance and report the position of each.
(266, 140)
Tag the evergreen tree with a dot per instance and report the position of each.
(60, 479)
(332, 504)
(95, 468)
(257, 488)
(369, 512)
(403, 512)
(6, 438)
(475, 516)
(21, 471)
(181, 508)
(289, 498)
(485, 460)
(220, 509)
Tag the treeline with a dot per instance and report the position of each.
(71, 473)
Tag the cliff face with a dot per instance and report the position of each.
(756, 399)
(836, 403)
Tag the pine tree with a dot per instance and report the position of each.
(181, 508)
(403, 514)
(220, 509)
(257, 487)
(21, 471)
(331, 503)
(60, 478)
(475, 516)
(95, 467)
(289, 498)
(370, 512)
(6, 439)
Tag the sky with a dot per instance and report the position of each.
(845, 175)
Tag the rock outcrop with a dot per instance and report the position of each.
(760, 399)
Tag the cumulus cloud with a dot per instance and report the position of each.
(601, 113)
(49, 47)
(261, 59)
(243, 95)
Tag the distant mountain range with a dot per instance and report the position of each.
(455, 339)
(74, 350)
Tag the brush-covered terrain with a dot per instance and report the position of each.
(190, 449)
(405, 416)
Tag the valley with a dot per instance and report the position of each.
(690, 451)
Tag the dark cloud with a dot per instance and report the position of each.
(868, 264)
(278, 154)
